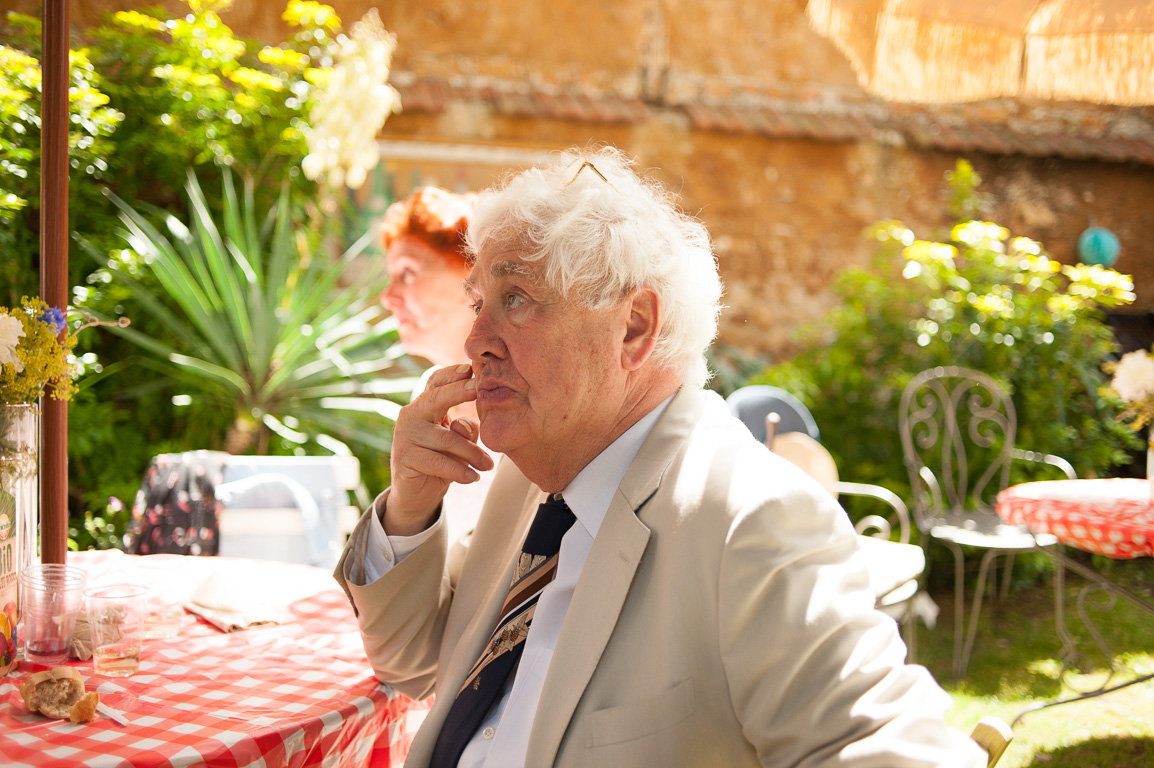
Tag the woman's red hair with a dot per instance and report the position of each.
(435, 216)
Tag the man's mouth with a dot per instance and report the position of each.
(489, 391)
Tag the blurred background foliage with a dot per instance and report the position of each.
(258, 328)
(156, 96)
(975, 297)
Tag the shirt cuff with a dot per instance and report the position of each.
(384, 551)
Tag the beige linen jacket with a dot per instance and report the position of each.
(722, 619)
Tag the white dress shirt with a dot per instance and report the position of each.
(503, 738)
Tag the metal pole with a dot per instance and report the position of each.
(54, 269)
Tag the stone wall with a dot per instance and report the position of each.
(756, 120)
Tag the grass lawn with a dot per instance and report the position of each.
(1016, 662)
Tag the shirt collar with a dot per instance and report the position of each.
(589, 494)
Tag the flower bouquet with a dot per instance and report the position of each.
(34, 350)
(32, 355)
(1133, 382)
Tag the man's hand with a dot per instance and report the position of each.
(431, 450)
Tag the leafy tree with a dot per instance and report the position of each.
(196, 97)
(93, 122)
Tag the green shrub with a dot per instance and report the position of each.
(154, 95)
(92, 124)
(259, 330)
(978, 299)
(196, 97)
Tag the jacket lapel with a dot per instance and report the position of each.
(597, 601)
(606, 579)
(500, 542)
(589, 622)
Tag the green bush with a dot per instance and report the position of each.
(196, 97)
(154, 96)
(93, 122)
(978, 299)
(259, 333)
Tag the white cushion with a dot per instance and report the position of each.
(891, 566)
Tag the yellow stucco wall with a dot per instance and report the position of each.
(786, 213)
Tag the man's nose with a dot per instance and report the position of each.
(483, 340)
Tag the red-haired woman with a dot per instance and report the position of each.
(424, 241)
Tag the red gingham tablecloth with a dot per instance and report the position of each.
(297, 694)
(1112, 517)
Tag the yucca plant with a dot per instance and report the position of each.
(259, 326)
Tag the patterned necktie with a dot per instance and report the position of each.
(535, 568)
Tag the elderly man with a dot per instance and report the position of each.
(647, 585)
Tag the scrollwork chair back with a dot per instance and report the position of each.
(957, 428)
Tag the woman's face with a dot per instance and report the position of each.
(427, 296)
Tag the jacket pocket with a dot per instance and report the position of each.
(617, 725)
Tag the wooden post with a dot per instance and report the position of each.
(54, 269)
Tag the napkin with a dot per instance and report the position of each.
(224, 603)
(81, 637)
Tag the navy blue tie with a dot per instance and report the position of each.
(536, 567)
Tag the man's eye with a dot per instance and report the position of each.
(476, 307)
(514, 300)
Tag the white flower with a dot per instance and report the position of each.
(1134, 376)
(11, 331)
(354, 105)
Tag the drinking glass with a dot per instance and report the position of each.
(116, 622)
(50, 596)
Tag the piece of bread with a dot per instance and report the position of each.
(59, 693)
(85, 708)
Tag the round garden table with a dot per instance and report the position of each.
(1112, 516)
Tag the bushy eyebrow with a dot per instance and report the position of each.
(506, 268)
(509, 268)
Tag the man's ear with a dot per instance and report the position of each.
(641, 328)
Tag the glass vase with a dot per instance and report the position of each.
(19, 514)
(1150, 453)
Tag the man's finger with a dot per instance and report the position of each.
(424, 465)
(446, 388)
(471, 430)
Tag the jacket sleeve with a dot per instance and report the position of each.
(402, 614)
(817, 676)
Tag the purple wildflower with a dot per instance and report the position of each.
(54, 318)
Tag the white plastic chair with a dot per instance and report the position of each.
(290, 508)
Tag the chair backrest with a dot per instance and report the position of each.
(803, 451)
(957, 428)
(753, 403)
(257, 488)
(292, 508)
(993, 736)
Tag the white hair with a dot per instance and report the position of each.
(603, 231)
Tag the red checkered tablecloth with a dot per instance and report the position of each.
(1111, 516)
(297, 694)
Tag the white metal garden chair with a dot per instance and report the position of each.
(958, 427)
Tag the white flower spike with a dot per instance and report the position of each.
(353, 106)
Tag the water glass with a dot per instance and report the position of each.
(116, 622)
(162, 620)
(50, 596)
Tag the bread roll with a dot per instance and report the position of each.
(59, 693)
